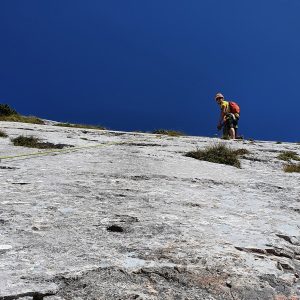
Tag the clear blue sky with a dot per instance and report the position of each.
(143, 65)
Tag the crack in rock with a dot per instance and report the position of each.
(285, 266)
(276, 251)
(289, 239)
(142, 144)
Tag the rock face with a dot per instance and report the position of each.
(128, 216)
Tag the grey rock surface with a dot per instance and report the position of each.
(127, 216)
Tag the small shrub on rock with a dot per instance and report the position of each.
(6, 110)
(288, 155)
(168, 132)
(11, 115)
(33, 142)
(292, 168)
(242, 151)
(3, 134)
(219, 153)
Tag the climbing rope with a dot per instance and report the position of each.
(57, 151)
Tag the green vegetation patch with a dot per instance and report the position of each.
(23, 119)
(33, 142)
(11, 115)
(80, 126)
(288, 155)
(3, 134)
(219, 153)
(292, 168)
(168, 132)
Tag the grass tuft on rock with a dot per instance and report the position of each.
(3, 134)
(292, 168)
(168, 132)
(80, 126)
(33, 142)
(288, 155)
(219, 153)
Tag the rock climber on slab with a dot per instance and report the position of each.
(229, 117)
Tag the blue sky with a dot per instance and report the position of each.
(143, 65)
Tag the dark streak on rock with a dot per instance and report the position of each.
(7, 168)
(29, 129)
(34, 295)
(280, 252)
(252, 250)
(142, 144)
(254, 159)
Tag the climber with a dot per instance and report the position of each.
(229, 117)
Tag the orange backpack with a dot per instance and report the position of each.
(234, 108)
